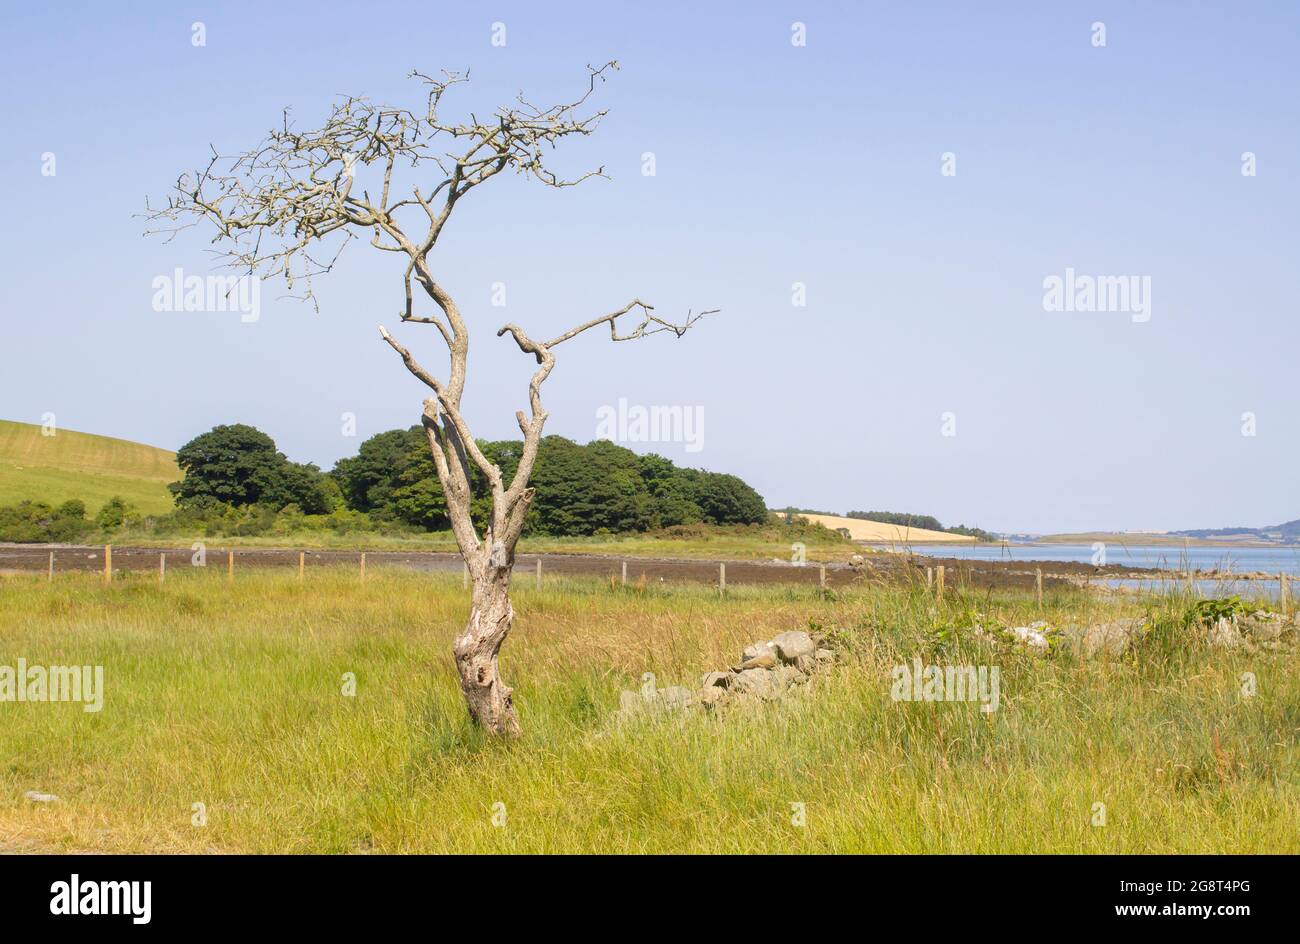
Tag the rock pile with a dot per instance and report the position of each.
(1260, 629)
(766, 670)
(1103, 639)
(1085, 642)
(1250, 631)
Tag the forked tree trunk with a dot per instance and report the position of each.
(490, 616)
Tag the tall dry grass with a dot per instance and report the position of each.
(229, 695)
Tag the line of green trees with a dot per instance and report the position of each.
(237, 482)
(598, 488)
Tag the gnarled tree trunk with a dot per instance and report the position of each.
(476, 650)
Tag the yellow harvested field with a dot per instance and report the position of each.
(875, 532)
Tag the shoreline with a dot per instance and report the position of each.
(1090, 539)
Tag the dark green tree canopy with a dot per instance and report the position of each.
(239, 465)
(369, 479)
(597, 488)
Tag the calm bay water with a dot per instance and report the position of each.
(1270, 560)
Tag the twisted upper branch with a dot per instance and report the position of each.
(365, 170)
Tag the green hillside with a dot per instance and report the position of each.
(92, 468)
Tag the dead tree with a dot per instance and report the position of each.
(287, 208)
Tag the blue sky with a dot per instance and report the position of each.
(775, 164)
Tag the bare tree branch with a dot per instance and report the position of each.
(423, 375)
(648, 318)
(532, 428)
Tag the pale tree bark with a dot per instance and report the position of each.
(276, 209)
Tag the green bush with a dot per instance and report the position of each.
(36, 522)
(113, 515)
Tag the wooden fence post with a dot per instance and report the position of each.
(821, 581)
(230, 565)
(625, 573)
(363, 566)
(50, 578)
(722, 580)
(929, 577)
(162, 567)
(302, 565)
(1038, 586)
(108, 563)
(938, 580)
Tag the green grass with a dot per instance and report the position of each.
(697, 542)
(765, 542)
(68, 465)
(229, 695)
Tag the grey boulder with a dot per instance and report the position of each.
(760, 682)
(794, 644)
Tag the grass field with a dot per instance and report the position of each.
(698, 542)
(229, 695)
(68, 465)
